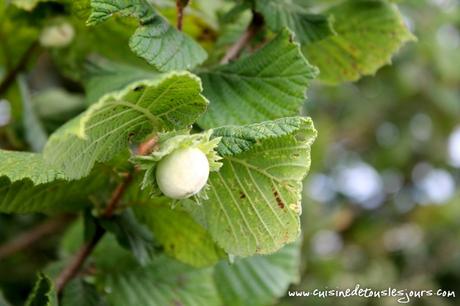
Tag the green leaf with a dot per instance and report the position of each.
(34, 131)
(285, 13)
(105, 77)
(60, 196)
(57, 104)
(18, 166)
(28, 184)
(102, 10)
(162, 282)
(131, 234)
(181, 237)
(368, 33)
(165, 283)
(80, 8)
(269, 84)
(80, 293)
(258, 280)
(238, 139)
(164, 47)
(155, 40)
(43, 293)
(255, 199)
(172, 101)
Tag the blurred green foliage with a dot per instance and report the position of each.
(389, 135)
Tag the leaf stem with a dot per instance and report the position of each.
(117, 195)
(11, 75)
(28, 238)
(253, 28)
(72, 269)
(147, 147)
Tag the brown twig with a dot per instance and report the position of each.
(180, 6)
(117, 195)
(79, 259)
(72, 269)
(11, 75)
(147, 147)
(253, 28)
(29, 237)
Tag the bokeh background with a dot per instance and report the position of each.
(382, 201)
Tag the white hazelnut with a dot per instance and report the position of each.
(182, 173)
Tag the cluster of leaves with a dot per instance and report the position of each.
(143, 77)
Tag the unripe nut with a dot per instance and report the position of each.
(182, 173)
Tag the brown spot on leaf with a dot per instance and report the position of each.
(278, 198)
(242, 195)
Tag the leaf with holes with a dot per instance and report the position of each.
(254, 200)
(171, 101)
(155, 40)
(267, 85)
(368, 33)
